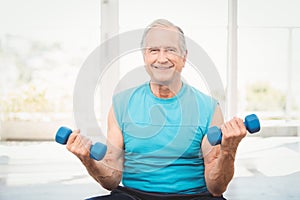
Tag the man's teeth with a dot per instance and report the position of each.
(158, 67)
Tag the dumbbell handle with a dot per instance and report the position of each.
(97, 151)
(214, 134)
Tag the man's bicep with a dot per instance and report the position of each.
(217, 119)
(115, 142)
(209, 152)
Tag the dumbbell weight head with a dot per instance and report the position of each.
(97, 151)
(62, 135)
(252, 123)
(214, 135)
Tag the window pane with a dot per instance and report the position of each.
(263, 68)
(269, 13)
(295, 74)
(42, 46)
(268, 65)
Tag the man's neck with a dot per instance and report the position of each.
(165, 91)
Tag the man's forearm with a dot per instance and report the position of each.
(104, 172)
(221, 172)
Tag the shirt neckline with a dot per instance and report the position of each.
(166, 100)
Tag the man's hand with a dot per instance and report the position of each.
(79, 145)
(233, 132)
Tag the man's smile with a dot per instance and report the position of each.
(162, 67)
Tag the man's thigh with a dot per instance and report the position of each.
(115, 195)
(123, 193)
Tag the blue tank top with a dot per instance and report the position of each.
(162, 139)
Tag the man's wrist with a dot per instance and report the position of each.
(228, 153)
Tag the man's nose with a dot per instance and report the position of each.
(162, 56)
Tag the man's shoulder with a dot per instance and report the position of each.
(201, 96)
(196, 91)
(129, 92)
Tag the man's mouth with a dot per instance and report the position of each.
(162, 67)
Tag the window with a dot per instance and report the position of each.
(268, 66)
(42, 46)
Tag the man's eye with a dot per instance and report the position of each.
(153, 50)
(171, 50)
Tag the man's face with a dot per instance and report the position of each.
(163, 58)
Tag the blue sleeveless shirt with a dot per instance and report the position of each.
(162, 139)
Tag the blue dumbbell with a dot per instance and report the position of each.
(214, 134)
(97, 151)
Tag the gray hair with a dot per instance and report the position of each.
(167, 24)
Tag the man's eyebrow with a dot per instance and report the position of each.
(170, 47)
(164, 47)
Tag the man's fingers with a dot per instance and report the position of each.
(79, 144)
(234, 128)
(72, 137)
(241, 125)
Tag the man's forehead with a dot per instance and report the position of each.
(163, 31)
(162, 37)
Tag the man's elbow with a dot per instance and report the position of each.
(217, 191)
(109, 182)
(109, 186)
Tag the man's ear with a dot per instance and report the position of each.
(185, 56)
(143, 54)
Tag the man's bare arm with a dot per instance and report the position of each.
(108, 172)
(219, 160)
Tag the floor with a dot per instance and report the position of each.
(266, 168)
